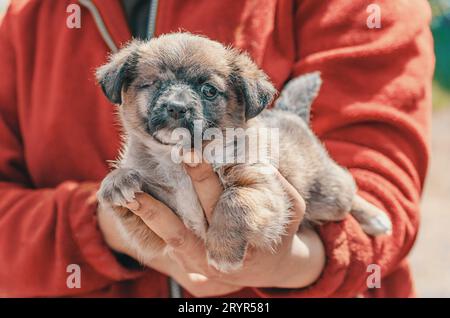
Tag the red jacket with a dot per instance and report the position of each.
(57, 131)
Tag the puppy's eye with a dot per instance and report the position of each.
(209, 91)
(145, 85)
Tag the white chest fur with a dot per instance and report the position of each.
(183, 196)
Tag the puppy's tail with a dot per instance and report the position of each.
(298, 94)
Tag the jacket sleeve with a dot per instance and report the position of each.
(43, 231)
(373, 116)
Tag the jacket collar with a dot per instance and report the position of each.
(110, 20)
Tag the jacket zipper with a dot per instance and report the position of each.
(152, 19)
(88, 4)
(174, 288)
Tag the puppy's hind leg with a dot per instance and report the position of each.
(373, 220)
(333, 196)
(227, 235)
(252, 211)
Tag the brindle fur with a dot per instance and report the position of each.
(253, 210)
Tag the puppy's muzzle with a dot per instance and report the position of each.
(176, 109)
(178, 102)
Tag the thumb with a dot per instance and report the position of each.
(298, 204)
(206, 184)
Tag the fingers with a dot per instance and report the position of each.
(160, 219)
(196, 284)
(201, 286)
(298, 204)
(206, 184)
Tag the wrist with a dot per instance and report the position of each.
(304, 261)
(109, 229)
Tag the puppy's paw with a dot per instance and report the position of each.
(225, 264)
(372, 220)
(120, 187)
(379, 224)
(225, 251)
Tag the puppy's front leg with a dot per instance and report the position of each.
(120, 186)
(253, 210)
(117, 189)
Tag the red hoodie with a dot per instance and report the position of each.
(57, 131)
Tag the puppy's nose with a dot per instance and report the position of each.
(176, 110)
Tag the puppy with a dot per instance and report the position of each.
(178, 79)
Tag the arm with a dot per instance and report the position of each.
(299, 250)
(297, 262)
(42, 231)
(372, 114)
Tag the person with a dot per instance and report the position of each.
(58, 131)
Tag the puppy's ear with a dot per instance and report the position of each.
(252, 85)
(119, 72)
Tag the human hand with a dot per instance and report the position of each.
(298, 260)
(196, 284)
(109, 228)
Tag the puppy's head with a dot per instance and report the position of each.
(176, 79)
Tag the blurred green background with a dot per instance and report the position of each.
(441, 33)
(430, 257)
(3, 5)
